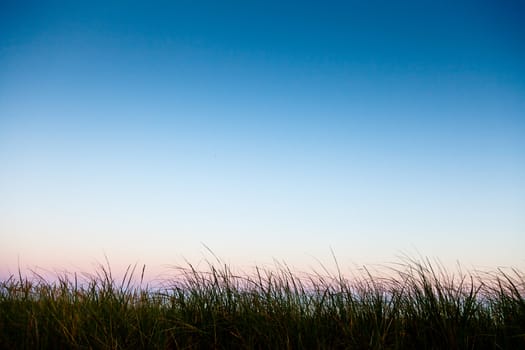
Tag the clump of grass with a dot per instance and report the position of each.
(418, 305)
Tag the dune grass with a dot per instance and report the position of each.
(419, 306)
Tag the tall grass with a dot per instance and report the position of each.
(418, 305)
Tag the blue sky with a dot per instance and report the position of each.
(264, 130)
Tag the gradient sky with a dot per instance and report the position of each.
(265, 130)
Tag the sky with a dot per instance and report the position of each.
(264, 130)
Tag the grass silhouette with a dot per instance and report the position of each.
(420, 306)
